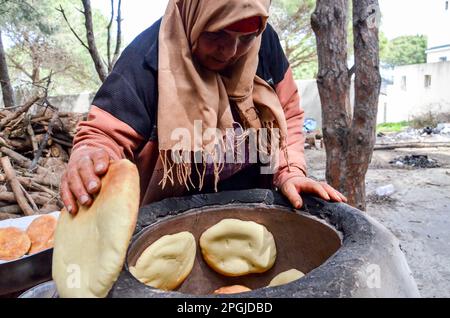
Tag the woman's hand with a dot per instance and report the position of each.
(293, 187)
(81, 179)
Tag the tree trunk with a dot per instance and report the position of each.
(93, 51)
(367, 91)
(329, 22)
(349, 138)
(7, 91)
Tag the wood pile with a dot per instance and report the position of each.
(34, 150)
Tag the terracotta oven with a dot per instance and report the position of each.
(342, 251)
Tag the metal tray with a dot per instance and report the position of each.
(29, 271)
(19, 275)
(45, 290)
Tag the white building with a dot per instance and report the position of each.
(417, 90)
(422, 88)
(438, 53)
(439, 40)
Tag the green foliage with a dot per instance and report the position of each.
(41, 43)
(291, 6)
(306, 70)
(428, 119)
(393, 127)
(291, 20)
(404, 50)
(384, 44)
(22, 14)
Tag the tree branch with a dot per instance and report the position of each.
(70, 27)
(119, 34)
(108, 40)
(16, 187)
(44, 141)
(19, 112)
(99, 65)
(20, 67)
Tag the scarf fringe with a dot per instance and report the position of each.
(182, 171)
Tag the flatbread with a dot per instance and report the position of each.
(166, 263)
(41, 233)
(286, 277)
(234, 247)
(14, 243)
(90, 248)
(235, 289)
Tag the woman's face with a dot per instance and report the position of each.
(218, 50)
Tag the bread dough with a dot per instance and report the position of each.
(90, 248)
(41, 233)
(166, 263)
(234, 248)
(14, 243)
(286, 277)
(235, 289)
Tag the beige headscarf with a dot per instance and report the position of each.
(189, 92)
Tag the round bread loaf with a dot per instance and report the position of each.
(41, 233)
(90, 248)
(234, 289)
(14, 243)
(234, 247)
(166, 263)
(286, 277)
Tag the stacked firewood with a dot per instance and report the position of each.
(35, 145)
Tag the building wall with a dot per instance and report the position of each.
(66, 103)
(310, 100)
(73, 103)
(440, 33)
(436, 56)
(409, 96)
(311, 104)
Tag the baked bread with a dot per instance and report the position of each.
(14, 243)
(234, 289)
(286, 277)
(41, 233)
(166, 263)
(90, 248)
(234, 247)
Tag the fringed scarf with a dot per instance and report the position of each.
(194, 101)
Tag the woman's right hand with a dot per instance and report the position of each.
(81, 180)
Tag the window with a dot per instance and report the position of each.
(443, 59)
(427, 81)
(403, 84)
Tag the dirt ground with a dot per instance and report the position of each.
(418, 213)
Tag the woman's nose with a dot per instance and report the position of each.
(229, 48)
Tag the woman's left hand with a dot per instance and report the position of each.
(293, 187)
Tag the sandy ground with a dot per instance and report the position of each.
(418, 213)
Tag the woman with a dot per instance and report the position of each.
(205, 65)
